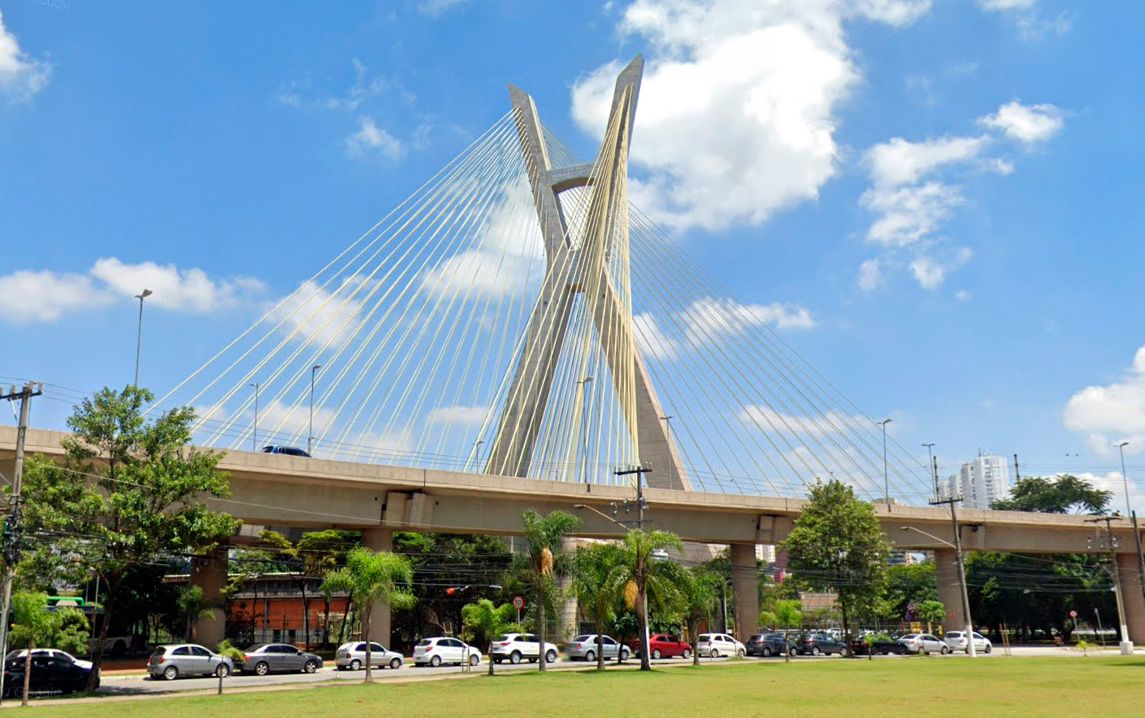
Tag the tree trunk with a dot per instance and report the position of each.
(254, 614)
(843, 611)
(345, 617)
(693, 631)
(305, 615)
(541, 622)
(642, 621)
(27, 673)
(600, 645)
(97, 655)
(490, 655)
(326, 624)
(366, 610)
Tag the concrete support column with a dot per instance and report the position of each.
(950, 589)
(745, 588)
(568, 624)
(379, 539)
(1131, 594)
(209, 573)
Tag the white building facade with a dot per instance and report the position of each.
(982, 481)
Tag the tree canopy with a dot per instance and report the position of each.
(1062, 494)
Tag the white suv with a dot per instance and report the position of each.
(956, 640)
(515, 646)
(719, 644)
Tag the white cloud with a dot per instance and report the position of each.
(909, 214)
(870, 275)
(1112, 413)
(768, 419)
(737, 107)
(1004, 5)
(1027, 124)
(371, 140)
(28, 296)
(899, 162)
(314, 314)
(437, 8)
(1115, 484)
(466, 415)
(189, 290)
(21, 75)
(709, 319)
(651, 338)
(962, 295)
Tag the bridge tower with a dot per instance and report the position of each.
(577, 263)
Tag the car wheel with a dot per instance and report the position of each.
(844, 652)
(766, 652)
(656, 654)
(310, 666)
(686, 654)
(474, 659)
(715, 653)
(624, 654)
(590, 656)
(740, 653)
(551, 657)
(435, 661)
(396, 663)
(515, 657)
(815, 651)
(223, 670)
(987, 649)
(261, 668)
(355, 665)
(945, 650)
(170, 673)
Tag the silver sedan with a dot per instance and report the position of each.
(584, 647)
(352, 656)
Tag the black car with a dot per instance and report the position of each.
(288, 450)
(817, 644)
(878, 645)
(768, 644)
(52, 672)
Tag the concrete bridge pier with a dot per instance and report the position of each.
(379, 539)
(949, 589)
(1127, 569)
(209, 573)
(745, 589)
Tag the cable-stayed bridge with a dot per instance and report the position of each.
(515, 333)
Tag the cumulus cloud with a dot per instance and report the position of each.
(709, 319)
(1003, 5)
(318, 315)
(1111, 413)
(28, 296)
(736, 118)
(871, 275)
(373, 141)
(899, 162)
(465, 415)
(1028, 124)
(21, 75)
(651, 339)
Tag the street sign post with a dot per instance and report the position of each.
(518, 603)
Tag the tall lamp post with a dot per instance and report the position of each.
(139, 333)
(584, 425)
(957, 546)
(254, 430)
(310, 437)
(668, 436)
(886, 480)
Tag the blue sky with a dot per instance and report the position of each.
(951, 190)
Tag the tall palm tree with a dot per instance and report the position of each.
(700, 594)
(488, 621)
(639, 576)
(544, 536)
(35, 626)
(372, 577)
(592, 584)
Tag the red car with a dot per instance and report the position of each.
(663, 645)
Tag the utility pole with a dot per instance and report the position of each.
(1133, 518)
(930, 455)
(139, 333)
(13, 528)
(584, 425)
(645, 663)
(1110, 541)
(310, 436)
(886, 479)
(254, 429)
(1017, 474)
(970, 650)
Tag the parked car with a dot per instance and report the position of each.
(442, 649)
(263, 658)
(53, 671)
(187, 659)
(956, 640)
(719, 644)
(817, 644)
(768, 644)
(664, 645)
(352, 656)
(923, 643)
(513, 647)
(288, 450)
(584, 648)
(878, 644)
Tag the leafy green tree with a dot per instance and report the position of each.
(838, 545)
(592, 584)
(789, 616)
(36, 626)
(545, 535)
(907, 584)
(931, 612)
(1062, 494)
(192, 606)
(643, 580)
(371, 577)
(487, 621)
(700, 595)
(129, 491)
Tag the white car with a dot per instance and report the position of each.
(513, 647)
(956, 640)
(719, 644)
(442, 649)
(923, 643)
(352, 656)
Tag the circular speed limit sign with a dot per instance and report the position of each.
(518, 603)
(1073, 614)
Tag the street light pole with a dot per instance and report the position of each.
(477, 450)
(668, 436)
(254, 429)
(584, 425)
(1124, 478)
(886, 480)
(139, 333)
(929, 463)
(310, 436)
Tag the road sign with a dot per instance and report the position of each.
(1073, 614)
(518, 603)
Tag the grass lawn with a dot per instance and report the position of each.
(995, 687)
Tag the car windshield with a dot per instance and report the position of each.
(582, 639)
(705, 637)
(157, 652)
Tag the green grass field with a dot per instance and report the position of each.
(995, 688)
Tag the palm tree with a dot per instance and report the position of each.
(192, 606)
(372, 577)
(639, 576)
(700, 594)
(592, 584)
(544, 536)
(488, 621)
(788, 615)
(34, 626)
